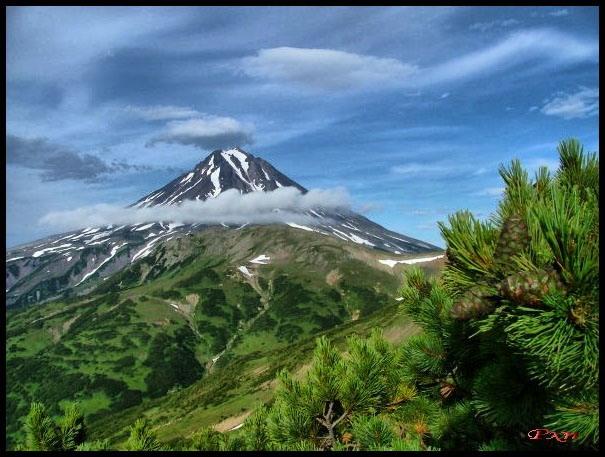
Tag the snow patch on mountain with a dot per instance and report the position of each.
(51, 249)
(261, 259)
(187, 178)
(302, 227)
(392, 263)
(245, 271)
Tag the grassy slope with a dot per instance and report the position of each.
(121, 349)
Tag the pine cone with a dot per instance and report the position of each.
(579, 313)
(514, 239)
(473, 304)
(529, 288)
(446, 390)
(346, 438)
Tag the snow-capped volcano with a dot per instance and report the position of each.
(45, 268)
(237, 169)
(221, 170)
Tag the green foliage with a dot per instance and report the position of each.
(172, 362)
(470, 247)
(372, 432)
(98, 445)
(232, 442)
(504, 397)
(333, 407)
(93, 361)
(579, 414)
(141, 437)
(569, 225)
(207, 439)
(497, 444)
(44, 434)
(519, 346)
(72, 428)
(255, 431)
(578, 168)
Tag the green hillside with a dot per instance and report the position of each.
(187, 337)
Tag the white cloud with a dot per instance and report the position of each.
(583, 103)
(438, 169)
(162, 112)
(230, 207)
(208, 132)
(419, 168)
(559, 13)
(332, 69)
(485, 26)
(445, 95)
(480, 171)
(420, 212)
(490, 192)
(325, 68)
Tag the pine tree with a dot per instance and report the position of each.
(72, 428)
(207, 439)
(142, 438)
(44, 434)
(343, 402)
(255, 432)
(525, 292)
(98, 445)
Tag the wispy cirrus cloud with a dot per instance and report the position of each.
(207, 132)
(416, 168)
(437, 169)
(583, 103)
(559, 13)
(162, 112)
(490, 192)
(485, 26)
(518, 48)
(58, 162)
(331, 69)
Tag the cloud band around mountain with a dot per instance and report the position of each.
(230, 207)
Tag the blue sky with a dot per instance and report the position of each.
(411, 109)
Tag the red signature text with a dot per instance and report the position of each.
(546, 434)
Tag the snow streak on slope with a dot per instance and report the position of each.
(392, 263)
(261, 259)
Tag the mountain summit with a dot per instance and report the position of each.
(221, 170)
